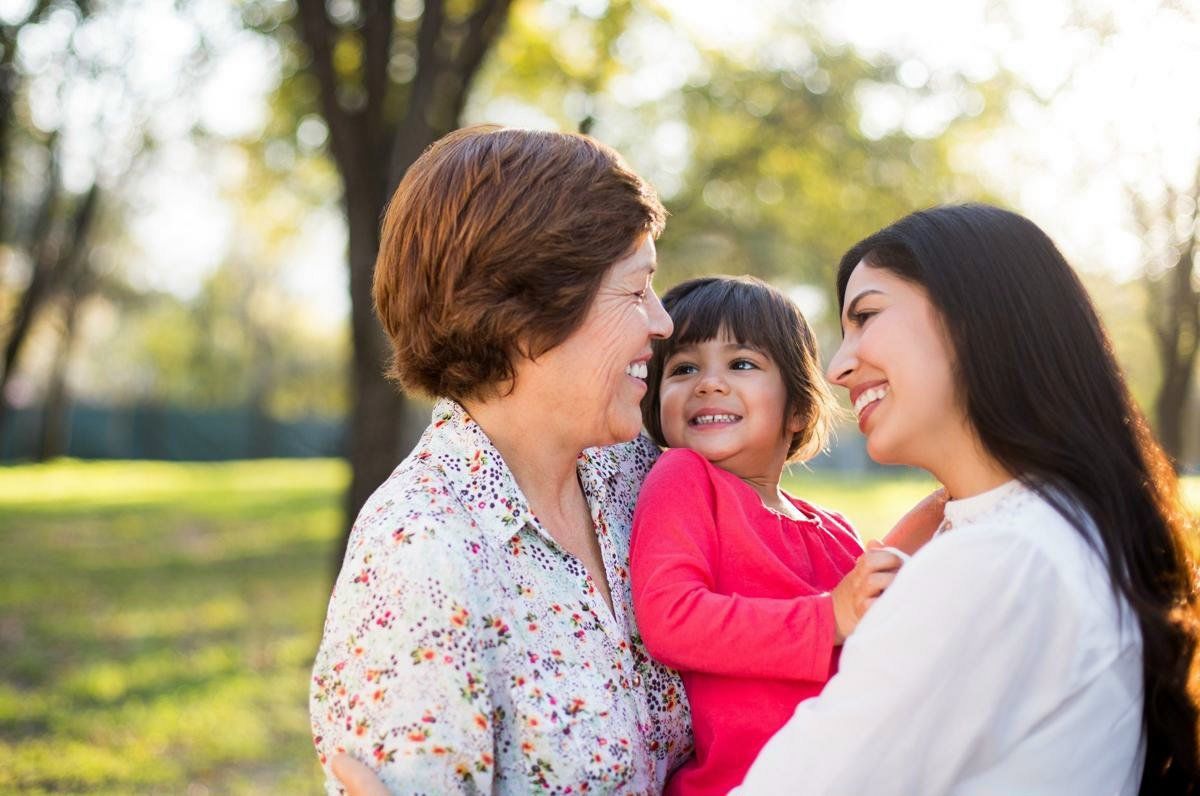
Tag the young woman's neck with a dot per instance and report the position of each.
(966, 469)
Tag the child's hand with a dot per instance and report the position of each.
(873, 572)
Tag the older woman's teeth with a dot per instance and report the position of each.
(869, 397)
(704, 420)
(637, 370)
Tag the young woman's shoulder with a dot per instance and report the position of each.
(1027, 536)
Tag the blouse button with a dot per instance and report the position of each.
(637, 680)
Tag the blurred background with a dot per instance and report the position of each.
(190, 394)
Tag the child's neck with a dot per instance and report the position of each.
(771, 495)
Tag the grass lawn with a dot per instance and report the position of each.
(158, 621)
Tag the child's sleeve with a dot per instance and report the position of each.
(683, 621)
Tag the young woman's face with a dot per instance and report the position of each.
(897, 362)
(726, 401)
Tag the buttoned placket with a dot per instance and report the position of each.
(594, 480)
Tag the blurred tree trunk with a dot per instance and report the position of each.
(58, 249)
(57, 404)
(1173, 310)
(377, 129)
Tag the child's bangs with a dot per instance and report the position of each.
(703, 314)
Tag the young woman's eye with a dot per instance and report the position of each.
(861, 317)
(682, 369)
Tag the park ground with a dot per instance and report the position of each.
(158, 621)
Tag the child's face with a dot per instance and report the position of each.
(726, 401)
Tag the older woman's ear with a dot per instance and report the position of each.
(356, 777)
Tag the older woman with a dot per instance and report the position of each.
(480, 636)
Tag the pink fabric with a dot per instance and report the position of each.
(736, 597)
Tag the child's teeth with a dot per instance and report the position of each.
(706, 419)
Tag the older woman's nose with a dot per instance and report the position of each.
(661, 325)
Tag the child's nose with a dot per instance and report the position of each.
(711, 382)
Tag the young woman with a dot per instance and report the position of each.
(1044, 640)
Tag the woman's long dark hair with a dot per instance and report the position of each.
(1047, 398)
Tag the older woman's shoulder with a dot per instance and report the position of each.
(414, 512)
(636, 457)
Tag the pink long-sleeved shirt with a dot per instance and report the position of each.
(736, 597)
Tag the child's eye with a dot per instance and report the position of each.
(682, 369)
(743, 364)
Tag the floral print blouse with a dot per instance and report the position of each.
(465, 651)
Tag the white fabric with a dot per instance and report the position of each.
(999, 662)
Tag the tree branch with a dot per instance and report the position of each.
(416, 128)
(379, 22)
(482, 27)
(318, 31)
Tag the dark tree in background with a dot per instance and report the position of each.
(1169, 230)
(378, 125)
(40, 220)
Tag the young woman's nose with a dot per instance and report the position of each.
(842, 364)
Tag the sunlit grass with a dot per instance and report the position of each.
(158, 621)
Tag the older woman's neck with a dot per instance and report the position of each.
(542, 458)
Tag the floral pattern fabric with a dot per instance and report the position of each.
(465, 651)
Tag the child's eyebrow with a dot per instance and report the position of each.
(745, 347)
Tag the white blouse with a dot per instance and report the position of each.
(465, 651)
(998, 662)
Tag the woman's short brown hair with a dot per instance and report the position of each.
(758, 315)
(494, 246)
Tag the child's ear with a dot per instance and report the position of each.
(795, 423)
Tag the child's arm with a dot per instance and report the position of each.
(688, 625)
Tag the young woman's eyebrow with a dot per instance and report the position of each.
(852, 307)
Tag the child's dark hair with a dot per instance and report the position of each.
(756, 314)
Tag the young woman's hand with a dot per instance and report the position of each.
(917, 526)
(356, 777)
(858, 590)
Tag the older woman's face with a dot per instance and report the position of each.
(594, 381)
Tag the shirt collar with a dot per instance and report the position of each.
(459, 449)
(965, 510)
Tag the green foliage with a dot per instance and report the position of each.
(158, 621)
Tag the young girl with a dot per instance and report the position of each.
(747, 591)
